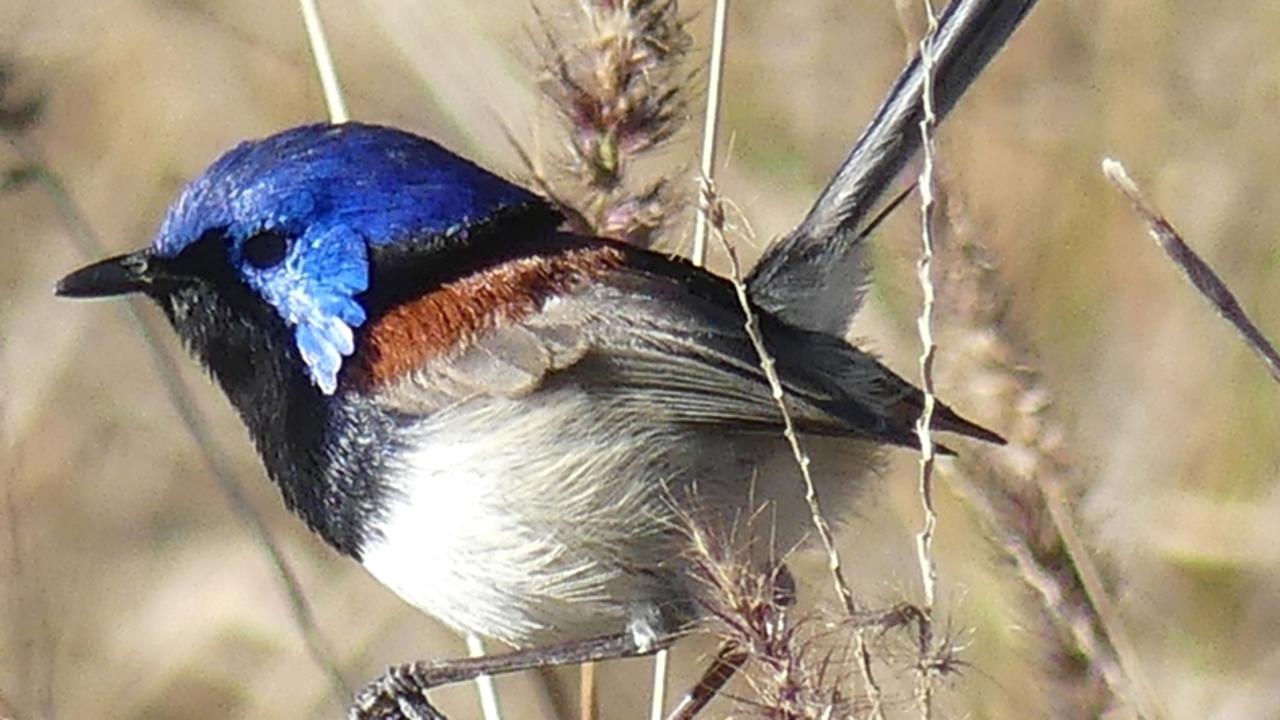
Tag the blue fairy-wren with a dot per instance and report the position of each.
(509, 424)
(494, 416)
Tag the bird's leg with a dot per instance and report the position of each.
(401, 693)
(727, 662)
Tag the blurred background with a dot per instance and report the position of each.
(129, 587)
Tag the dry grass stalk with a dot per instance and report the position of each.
(325, 67)
(928, 352)
(710, 130)
(715, 209)
(588, 693)
(750, 613)
(1014, 489)
(1198, 272)
(748, 604)
(798, 668)
(618, 80)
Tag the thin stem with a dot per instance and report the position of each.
(484, 683)
(324, 62)
(928, 351)
(875, 697)
(768, 366)
(834, 565)
(1205, 280)
(710, 130)
(1140, 693)
(588, 699)
(658, 698)
(727, 663)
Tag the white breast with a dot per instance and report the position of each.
(526, 531)
(560, 525)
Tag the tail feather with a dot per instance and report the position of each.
(948, 420)
(811, 277)
(908, 409)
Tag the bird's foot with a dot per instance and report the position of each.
(401, 693)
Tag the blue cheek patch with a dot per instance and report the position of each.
(314, 290)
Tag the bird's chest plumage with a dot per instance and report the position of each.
(554, 515)
(531, 518)
(514, 507)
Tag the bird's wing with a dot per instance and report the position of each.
(676, 332)
(664, 338)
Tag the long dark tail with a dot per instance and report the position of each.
(810, 276)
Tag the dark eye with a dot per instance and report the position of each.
(266, 249)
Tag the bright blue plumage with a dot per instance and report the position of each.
(535, 426)
(528, 419)
(335, 191)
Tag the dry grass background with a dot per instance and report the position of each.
(131, 590)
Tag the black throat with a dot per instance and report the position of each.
(326, 453)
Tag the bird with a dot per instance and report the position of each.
(501, 420)
(514, 425)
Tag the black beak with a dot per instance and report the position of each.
(119, 275)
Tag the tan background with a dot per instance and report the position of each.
(129, 589)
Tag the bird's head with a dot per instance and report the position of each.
(290, 229)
